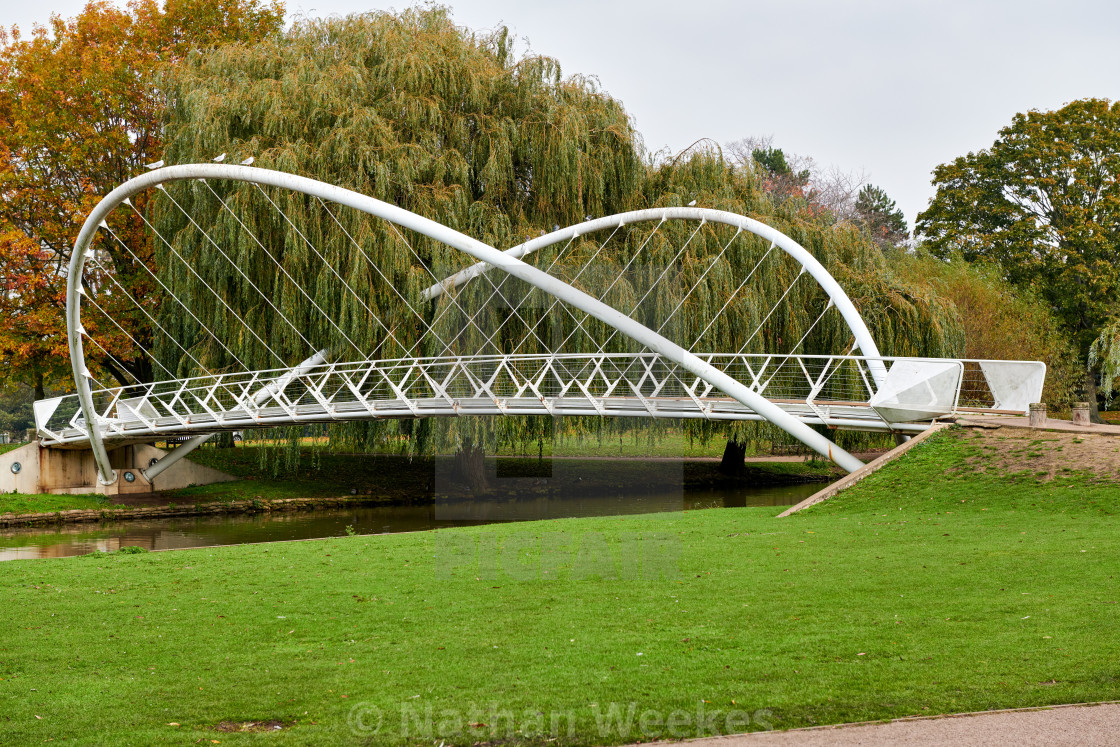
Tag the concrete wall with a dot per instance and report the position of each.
(44, 470)
(182, 474)
(27, 480)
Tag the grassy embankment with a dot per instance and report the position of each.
(934, 586)
(18, 503)
(394, 478)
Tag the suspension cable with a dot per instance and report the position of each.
(789, 354)
(497, 291)
(334, 271)
(451, 299)
(184, 306)
(738, 230)
(771, 312)
(622, 272)
(632, 258)
(215, 293)
(129, 336)
(659, 279)
(115, 359)
(148, 314)
(732, 296)
(234, 264)
(377, 269)
(582, 268)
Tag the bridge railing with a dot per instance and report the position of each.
(836, 391)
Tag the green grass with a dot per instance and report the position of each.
(669, 443)
(20, 503)
(635, 443)
(5, 448)
(943, 472)
(926, 589)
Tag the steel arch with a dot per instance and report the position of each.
(485, 254)
(865, 343)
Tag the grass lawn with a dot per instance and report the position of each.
(933, 587)
(5, 448)
(20, 503)
(668, 443)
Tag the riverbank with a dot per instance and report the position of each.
(896, 599)
(333, 480)
(131, 513)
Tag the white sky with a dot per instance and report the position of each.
(889, 87)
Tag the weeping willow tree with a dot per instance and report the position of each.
(405, 108)
(1104, 356)
(451, 125)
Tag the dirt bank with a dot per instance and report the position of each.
(1043, 454)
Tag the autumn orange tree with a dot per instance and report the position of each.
(82, 110)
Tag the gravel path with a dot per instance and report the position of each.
(1083, 725)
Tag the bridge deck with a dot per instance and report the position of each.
(843, 416)
(831, 391)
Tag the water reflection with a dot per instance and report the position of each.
(203, 531)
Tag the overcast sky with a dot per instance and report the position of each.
(890, 88)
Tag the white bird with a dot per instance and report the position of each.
(692, 203)
(248, 161)
(155, 165)
(220, 158)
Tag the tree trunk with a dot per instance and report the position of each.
(733, 454)
(40, 389)
(1090, 388)
(470, 467)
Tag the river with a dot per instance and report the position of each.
(58, 541)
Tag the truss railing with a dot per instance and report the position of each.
(833, 391)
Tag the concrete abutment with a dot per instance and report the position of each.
(33, 469)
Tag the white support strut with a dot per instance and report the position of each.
(485, 254)
(269, 390)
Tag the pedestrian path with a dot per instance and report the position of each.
(1058, 726)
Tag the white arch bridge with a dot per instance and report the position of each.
(543, 328)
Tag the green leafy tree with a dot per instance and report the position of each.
(779, 175)
(15, 409)
(413, 110)
(1044, 203)
(774, 161)
(880, 216)
(1104, 356)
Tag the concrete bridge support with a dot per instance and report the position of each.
(34, 469)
